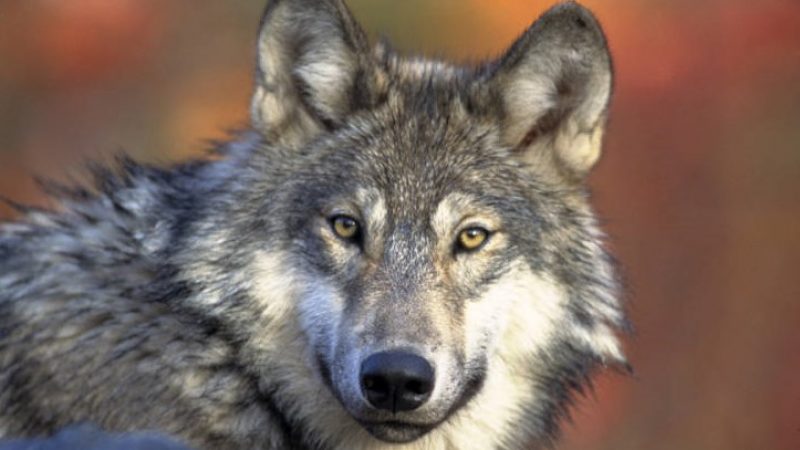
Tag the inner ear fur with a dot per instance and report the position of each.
(554, 85)
(313, 69)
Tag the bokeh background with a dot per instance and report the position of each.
(699, 186)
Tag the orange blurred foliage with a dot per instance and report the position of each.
(79, 42)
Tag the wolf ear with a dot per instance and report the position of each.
(554, 86)
(311, 54)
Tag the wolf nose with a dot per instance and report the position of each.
(396, 381)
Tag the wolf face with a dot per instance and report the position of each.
(422, 262)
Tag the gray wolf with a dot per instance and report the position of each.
(399, 253)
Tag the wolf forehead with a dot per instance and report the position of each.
(434, 128)
(414, 156)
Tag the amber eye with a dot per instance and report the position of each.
(345, 227)
(472, 238)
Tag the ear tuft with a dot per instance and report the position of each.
(554, 86)
(311, 55)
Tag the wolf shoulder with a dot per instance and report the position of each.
(86, 325)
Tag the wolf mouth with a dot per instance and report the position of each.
(396, 432)
(403, 432)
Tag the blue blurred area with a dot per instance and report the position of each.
(86, 437)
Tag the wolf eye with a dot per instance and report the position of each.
(345, 227)
(471, 239)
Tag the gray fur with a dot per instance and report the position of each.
(212, 301)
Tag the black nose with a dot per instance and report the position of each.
(396, 381)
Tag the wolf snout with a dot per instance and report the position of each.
(396, 381)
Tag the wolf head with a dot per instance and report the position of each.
(415, 238)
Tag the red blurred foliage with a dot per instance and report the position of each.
(79, 42)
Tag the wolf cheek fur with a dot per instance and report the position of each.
(399, 251)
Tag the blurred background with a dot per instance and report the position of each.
(699, 186)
